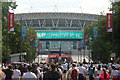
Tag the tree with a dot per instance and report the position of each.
(29, 46)
(102, 46)
(5, 47)
(12, 41)
(116, 28)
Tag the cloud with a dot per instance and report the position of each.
(22, 8)
(87, 6)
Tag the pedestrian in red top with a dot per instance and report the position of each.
(104, 75)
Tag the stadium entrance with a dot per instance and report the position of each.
(58, 45)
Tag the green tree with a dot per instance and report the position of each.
(5, 47)
(102, 46)
(12, 41)
(28, 45)
(116, 28)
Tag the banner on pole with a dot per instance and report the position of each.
(31, 37)
(10, 21)
(40, 47)
(82, 42)
(36, 43)
(23, 32)
(87, 37)
(109, 22)
(95, 33)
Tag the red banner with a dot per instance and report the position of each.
(31, 37)
(10, 21)
(78, 44)
(87, 37)
(39, 46)
(109, 22)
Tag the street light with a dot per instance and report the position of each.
(90, 39)
(59, 58)
(21, 41)
(60, 50)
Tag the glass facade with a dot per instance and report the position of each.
(65, 45)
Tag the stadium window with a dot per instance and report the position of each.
(74, 44)
(47, 44)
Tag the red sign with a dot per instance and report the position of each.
(10, 21)
(109, 22)
(87, 37)
(39, 46)
(31, 37)
(78, 44)
(55, 56)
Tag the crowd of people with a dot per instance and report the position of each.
(61, 71)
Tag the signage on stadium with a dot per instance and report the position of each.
(59, 34)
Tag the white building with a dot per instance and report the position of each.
(16, 57)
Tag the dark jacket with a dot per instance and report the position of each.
(8, 73)
(52, 75)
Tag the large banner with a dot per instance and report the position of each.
(59, 35)
(23, 32)
(109, 22)
(10, 21)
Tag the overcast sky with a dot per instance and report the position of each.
(77, 6)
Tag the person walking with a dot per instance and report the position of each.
(104, 75)
(52, 74)
(16, 73)
(9, 72)
(29, 75)
(114, 73)
(36, 70)
(2, 75)
(82, 72)
(22, 69)
(58, 68)
(65, 68)
(72, 73)
(97, 72)
(91, 72)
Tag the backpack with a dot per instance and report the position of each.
(74, 74)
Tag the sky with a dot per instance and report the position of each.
(75, 6)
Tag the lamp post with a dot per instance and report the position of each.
(59, 58)
(21, 41)
(79, 59)
(89, 48)
(84, 44)
(1, 32)
(60, 50)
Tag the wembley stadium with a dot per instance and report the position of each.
(57, 30)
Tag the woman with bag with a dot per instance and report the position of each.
(72, 73)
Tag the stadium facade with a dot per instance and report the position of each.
(57, 22)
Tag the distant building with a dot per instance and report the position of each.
(16, 57)
(61, 26)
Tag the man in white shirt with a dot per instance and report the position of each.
(16, 73)
(114, 73)
(65, 68)
(82, 72)
(29, 75)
